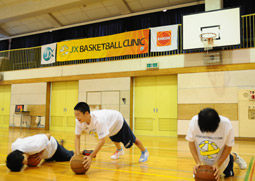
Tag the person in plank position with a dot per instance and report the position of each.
(211, 138)
(105, 123)
(44, 146)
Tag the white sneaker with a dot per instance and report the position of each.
(117, 154)
(241, 162)
(144, 156)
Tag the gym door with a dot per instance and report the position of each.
(155, 106)
(64, 97)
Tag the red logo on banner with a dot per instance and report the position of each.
(164, 38)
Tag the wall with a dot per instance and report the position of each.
(220, 90)
(196, 90)
(107, 94)
(228, 57)
(165, 62)
(31, 95)
(173, 61)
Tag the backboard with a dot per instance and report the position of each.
(224, 23)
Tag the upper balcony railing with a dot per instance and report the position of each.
(28, 58)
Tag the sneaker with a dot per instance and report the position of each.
(144, 156)
(87, 153)
(117, 154)
(241, 162)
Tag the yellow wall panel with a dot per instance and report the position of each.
(58, 96)
(143, 124)
(5, 99)
(144, 97)
(156, 105)
(71, 97)
(64, 97)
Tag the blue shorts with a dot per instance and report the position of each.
(229, 172)
(125, 135)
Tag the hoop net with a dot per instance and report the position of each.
(208, 40)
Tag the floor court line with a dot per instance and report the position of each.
(149, 174)
(172, 149)
(249, 169)
(145, 166)
(157, 168)
(141, 173)
(133, 165)
(252, 170)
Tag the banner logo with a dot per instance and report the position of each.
(64, 50)
(128, 43)
(48, 53)
(164, 38)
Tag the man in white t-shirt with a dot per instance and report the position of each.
(44, 145)
(105, 123)
(211, 138)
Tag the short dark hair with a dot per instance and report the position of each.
(82, 107)
(208, 120)
(15, 161)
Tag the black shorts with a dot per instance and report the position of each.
(229, 172)
(61, 154)
(125, 135)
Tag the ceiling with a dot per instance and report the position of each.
(23, 17)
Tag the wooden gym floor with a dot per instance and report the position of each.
(169, 160)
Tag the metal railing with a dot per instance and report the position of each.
(28, 58)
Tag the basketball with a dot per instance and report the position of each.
(205, 172)
(32, 160)
(76, 164)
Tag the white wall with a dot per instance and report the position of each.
(108, 93)
(218, 87)
(192, 88)
(26, 94)
(173, 61)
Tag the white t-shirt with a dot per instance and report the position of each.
(103, 122)
(210, 145)
(35, 144)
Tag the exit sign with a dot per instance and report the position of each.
(152, 66)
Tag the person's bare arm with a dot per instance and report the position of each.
(77, 144)
(88, 159)
(193, 151)
(98, 147)
(222, 158)
(38, 156)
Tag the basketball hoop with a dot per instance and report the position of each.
(208, 40)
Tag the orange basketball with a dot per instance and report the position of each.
(205, 172)
(32, 160)
(76, 164)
